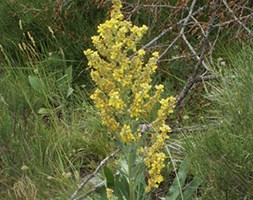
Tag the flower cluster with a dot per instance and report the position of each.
(154, 159)
(127, 136)
(124, 94)
(155, 163)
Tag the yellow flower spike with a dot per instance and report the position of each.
(124, 88)
(159, 87)
(116, 13)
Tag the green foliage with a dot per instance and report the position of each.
(46, 122)
(47, 132)
(119, 182)
(72, 24)
(223, 156)
(180, 188)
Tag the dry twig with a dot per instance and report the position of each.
(192, 80)
(183, 21)
(236, 19)
(182, 29)
(87, 178)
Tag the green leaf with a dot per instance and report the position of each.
(44, 111)
(37, 84)
(100, 194)
(123, 167)
(191, 188)
(109, 177)
(121, 187)
(178, 182)
(140, 185)
(70, 91)
(69, 72)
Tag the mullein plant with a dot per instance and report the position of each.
(125, 96)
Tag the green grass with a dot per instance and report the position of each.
(223, 156)
(48, 130)
(73, 24)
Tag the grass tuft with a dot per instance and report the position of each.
(223, 156)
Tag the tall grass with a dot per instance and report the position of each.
(72, 23)
(223, 156)
(50, 135)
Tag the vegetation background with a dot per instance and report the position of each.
(50, 133)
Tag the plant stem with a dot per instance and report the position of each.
(130, 174)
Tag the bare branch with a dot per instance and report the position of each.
(192, 80)
(197, 128)
(233, 20)
(171, 28)
(157, 38)
(91, 191)
(206, 78)
(159, 6)
(181, 31)
(188, 17)
(194, 52)
(236, 19)
(87, 178)
(167, 49)
(175, 58)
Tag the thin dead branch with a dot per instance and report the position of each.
(182, 29)
(171, 28)
(192, 80)
(89, 177)
(233, 20)
(199, 59)
(206, 78)
(196, 128)
(236, 19)
(98, 186)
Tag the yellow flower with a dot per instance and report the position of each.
(126, 134)
(155, 162)
(124, 88)
(109, 194)
(115, 101)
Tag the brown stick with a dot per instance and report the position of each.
(86, 179)
(191, 81)
(236, 19)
